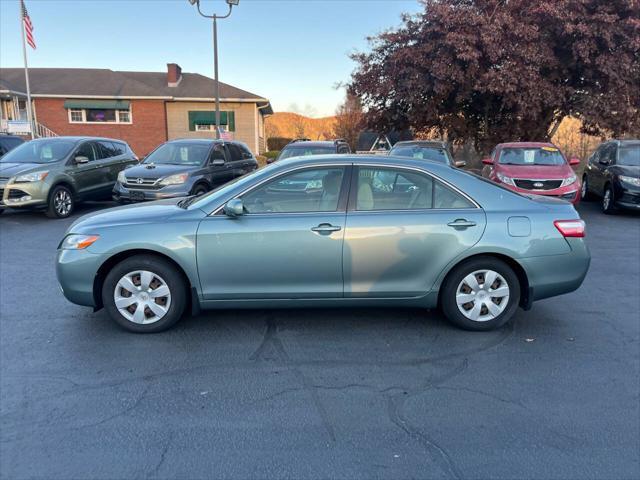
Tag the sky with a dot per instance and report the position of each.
(293, 52)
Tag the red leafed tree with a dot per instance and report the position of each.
(492, 71)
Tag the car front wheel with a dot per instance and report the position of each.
(608, 204)
(480, 294)
(61, 202)
(144, 294)
(584, 191)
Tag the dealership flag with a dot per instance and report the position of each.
(28, 26)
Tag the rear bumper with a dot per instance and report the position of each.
(554, 275)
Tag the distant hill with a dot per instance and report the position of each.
(294, 125)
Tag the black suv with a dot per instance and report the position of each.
(434, 150)
(302, 147)
(180, 168)
(9, 142)
(613, 173)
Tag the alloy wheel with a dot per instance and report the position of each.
(583, 193)
(142, 297)
(606, 200)
(482, 295)
(62, 203)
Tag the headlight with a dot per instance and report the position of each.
(506, 180)
(121, 177)
(78, 242)
(631, 180)
(569, 180)
(177, 179)
(31, 177)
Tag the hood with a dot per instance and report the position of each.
(628, 170)
(542, 172)
(13, 169)
(154, 171)
(136, 214)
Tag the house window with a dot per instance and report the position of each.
(210, 128)
(76, 115)
(99, 115)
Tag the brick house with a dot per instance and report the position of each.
(142, 108)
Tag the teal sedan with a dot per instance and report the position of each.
(328, 231)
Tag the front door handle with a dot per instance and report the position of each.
(461, 223)
(326, 229)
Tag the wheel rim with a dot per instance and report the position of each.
(62, 202)
(482, 295)
(584, 187)
(606, 201)
(142, 297)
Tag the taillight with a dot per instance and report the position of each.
(570, 228)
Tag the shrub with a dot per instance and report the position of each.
(272, 154)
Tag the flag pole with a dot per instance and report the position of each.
(26, 72)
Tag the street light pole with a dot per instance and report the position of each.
(215, 18)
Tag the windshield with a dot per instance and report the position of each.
(629, 155)
(39, 151)
(422, 153)
(305, 151)
(179, 154)
(531, 156)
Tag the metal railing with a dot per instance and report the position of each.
(42, 131)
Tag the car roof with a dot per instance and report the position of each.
(629, 142)
(75, 138)
(526, 145)
(317, 143)
(363, 159)
(421, 143)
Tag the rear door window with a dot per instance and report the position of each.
(235, 154)
(106, 149)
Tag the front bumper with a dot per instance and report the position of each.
(570, 193)
(23, 195)
(123, 194)
(76, 272)
(627, 196)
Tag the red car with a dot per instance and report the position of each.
(534, 168)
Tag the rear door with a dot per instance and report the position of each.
(236, 161)
(403, 227)
(249, 163)
(218, 174)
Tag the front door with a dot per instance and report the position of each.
(288, 244)
(88, 176)
(403, 228)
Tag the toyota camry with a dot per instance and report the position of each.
(328, 231)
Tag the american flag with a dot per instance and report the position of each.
(28, 26)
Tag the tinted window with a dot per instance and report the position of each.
(422, 153)
(234, 152)
(179, 153)
(312, 190)
(397, 189)
(86, 150)
(106, 149)
(246, 153)
(303, 151)
(531, 156)
(119, 148)
(39, 151)
(218, 153)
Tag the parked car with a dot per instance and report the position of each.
(613, 173)
(9, 142)
(179, 168)
(377, 231)
(534, 168)
(56, 173)
(434, 150)
(303, 147)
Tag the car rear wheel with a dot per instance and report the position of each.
(61, 202)
(608, 203)
(480, 294)
(200, 190)
(144, 294)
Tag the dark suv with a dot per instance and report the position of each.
(303, 147)
(9, 142)
(180, 168)
(434, 150)
(613, 173)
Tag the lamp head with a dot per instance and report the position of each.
(233, 3)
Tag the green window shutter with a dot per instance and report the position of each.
(232, 121)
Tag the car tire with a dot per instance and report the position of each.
(60, 203)
(489, 311)
(608, 201)
(199, 189)
(585, 194)
(139, 276)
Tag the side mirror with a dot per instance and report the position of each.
(80, 159)
(460, 163)
(487, 161)
(574, 161)
(603, 161)
(217, 162)
(234, 208)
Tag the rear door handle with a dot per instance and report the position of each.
(461, 223)
(326, 228)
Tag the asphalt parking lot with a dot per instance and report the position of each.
(366, 393)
